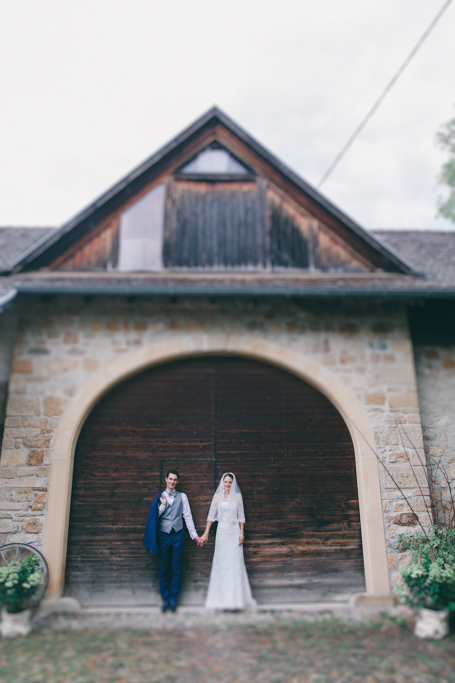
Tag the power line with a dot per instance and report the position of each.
(384, 94)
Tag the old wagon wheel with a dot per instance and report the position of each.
(20, 552)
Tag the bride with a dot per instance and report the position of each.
(229, 588)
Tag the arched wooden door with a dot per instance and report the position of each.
(288, 446)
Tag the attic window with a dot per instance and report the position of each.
(141, 233)
(214, 160)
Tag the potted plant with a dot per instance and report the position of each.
(20, 582)
(429, 582)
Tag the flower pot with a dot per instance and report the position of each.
(18, 624)
(431, 624)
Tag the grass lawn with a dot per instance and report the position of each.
(286, 650)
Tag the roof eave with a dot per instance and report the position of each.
(213, 290)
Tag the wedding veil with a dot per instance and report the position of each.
(235, 496)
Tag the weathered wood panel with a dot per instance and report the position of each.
(332, 254)
(290, 234)
(97, 251)
(214, 225)
(288, 446)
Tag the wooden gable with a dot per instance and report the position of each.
(227, 204)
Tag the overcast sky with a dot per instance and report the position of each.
(89, 89)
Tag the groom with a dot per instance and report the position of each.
(165, 536)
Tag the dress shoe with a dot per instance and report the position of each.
(165, 606)
(172, 605)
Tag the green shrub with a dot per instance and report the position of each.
(19, 582)
(430, 580)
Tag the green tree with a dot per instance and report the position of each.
(446, 140)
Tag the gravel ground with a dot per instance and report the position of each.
(235, 648)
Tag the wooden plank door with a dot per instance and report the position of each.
(288, 446)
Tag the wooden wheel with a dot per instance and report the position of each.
(20, 552)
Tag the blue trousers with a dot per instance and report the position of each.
(170, 560)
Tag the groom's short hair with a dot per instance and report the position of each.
(176, 472)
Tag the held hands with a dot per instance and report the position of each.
(200, 541)
(203, 539)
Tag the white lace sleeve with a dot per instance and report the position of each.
(240, 509)
(213, 509)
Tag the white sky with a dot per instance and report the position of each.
(89, 89)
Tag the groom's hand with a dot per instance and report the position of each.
(163, 500)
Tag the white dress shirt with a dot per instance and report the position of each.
(187, 516)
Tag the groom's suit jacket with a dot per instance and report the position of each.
(151, 529)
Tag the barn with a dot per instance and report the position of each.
(212, 312)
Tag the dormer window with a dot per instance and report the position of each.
(141, 233)
(214, 160)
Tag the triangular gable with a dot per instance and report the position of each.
(301, 220)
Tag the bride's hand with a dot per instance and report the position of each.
(205, 537)
(241, 539)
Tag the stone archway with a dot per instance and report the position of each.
(251, 346)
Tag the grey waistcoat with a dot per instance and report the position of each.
(172, 515)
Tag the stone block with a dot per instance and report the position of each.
(21, 405)
(376, 398)
(8, 443)
(392, 561)
(39, 422)
(347, 359)
(398, 456)
(25, 482)
(349, 328)
(53, 406)
(389, 437)
(401, 400)
(448, 364)
(20, 432)
(6, 473)
(396, 374)
(35, 457)
(25, 472)
(13, 422)
(13, 458)
(70, 338)
(22, 366)
(411, 436)
(32, 525)
(405, 476)
(90, 364)
(381, 328)
(406, 519)
(43, 471)
(25, 495)
(6, 526)
(37, 443)
(58, 365)
(39, 502)
(139, 325)
(10, 505)
(435, 450)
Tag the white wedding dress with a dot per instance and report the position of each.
(229, 588)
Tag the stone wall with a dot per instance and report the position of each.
(63, 342)
(435, 367)
(8, 320)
